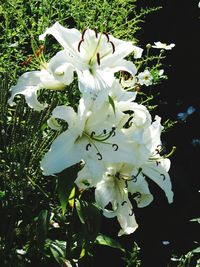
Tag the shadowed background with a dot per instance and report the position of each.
(177, 22)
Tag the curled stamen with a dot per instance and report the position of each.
(113, 46)
(113, 134)
(131, 214)
(98, 59)
(99, 156)
(88, 146)
(159, 149)
(79, 44)
(163, 176)
(107, 36)
(115, 146)
(124, 202)
(83, 33)
(113, 131)
(96, 33)
(134, 177)
(92, 134)
(137, 194)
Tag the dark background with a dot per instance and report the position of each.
(177, 22)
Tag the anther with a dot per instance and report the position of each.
(115, 146)
(113, 46)
(92, 134)
(124, 202)
(131, 214)
(41, 48)
(99, 156)
(134, 178)
(27, 61)
(163, 176)
(79, 44)
(107, 36)
(126, 184)
(83, 33)
(113, 134)
(113, 131)
(158, 149)
(137, 194)
(104, 131)
(98, 58)
(88, 146)
(157, 162)
(96, 33)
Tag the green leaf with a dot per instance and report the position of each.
(90, 216)
(79, 208)
(196, 250)
(108, 241)
(42, 227)
(195, 220)
(2, 194)
(111, 103)
(57, 249)
(65, 185)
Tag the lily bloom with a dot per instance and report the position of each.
(90, 136)
(94, 56)
(49, 77)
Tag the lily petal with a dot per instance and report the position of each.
(91, 83)
(62, 154)
(62, 70)
(124, 65)
(27, 85)
(68, 38)
(158, 173)
(126, 219)
(140, 186)
(65, 113)
(122, 49)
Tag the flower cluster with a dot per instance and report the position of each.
(113, 138)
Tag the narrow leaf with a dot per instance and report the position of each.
(108, 241)
(42, 227)
(65, 185)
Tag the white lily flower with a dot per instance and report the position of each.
(90, 174)
(30, 82)
(160, 45)
(145, 78)
(138, 187)
(138, 125)
(156, 168)
(112, 190)
(90, 136)
(94, 56)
